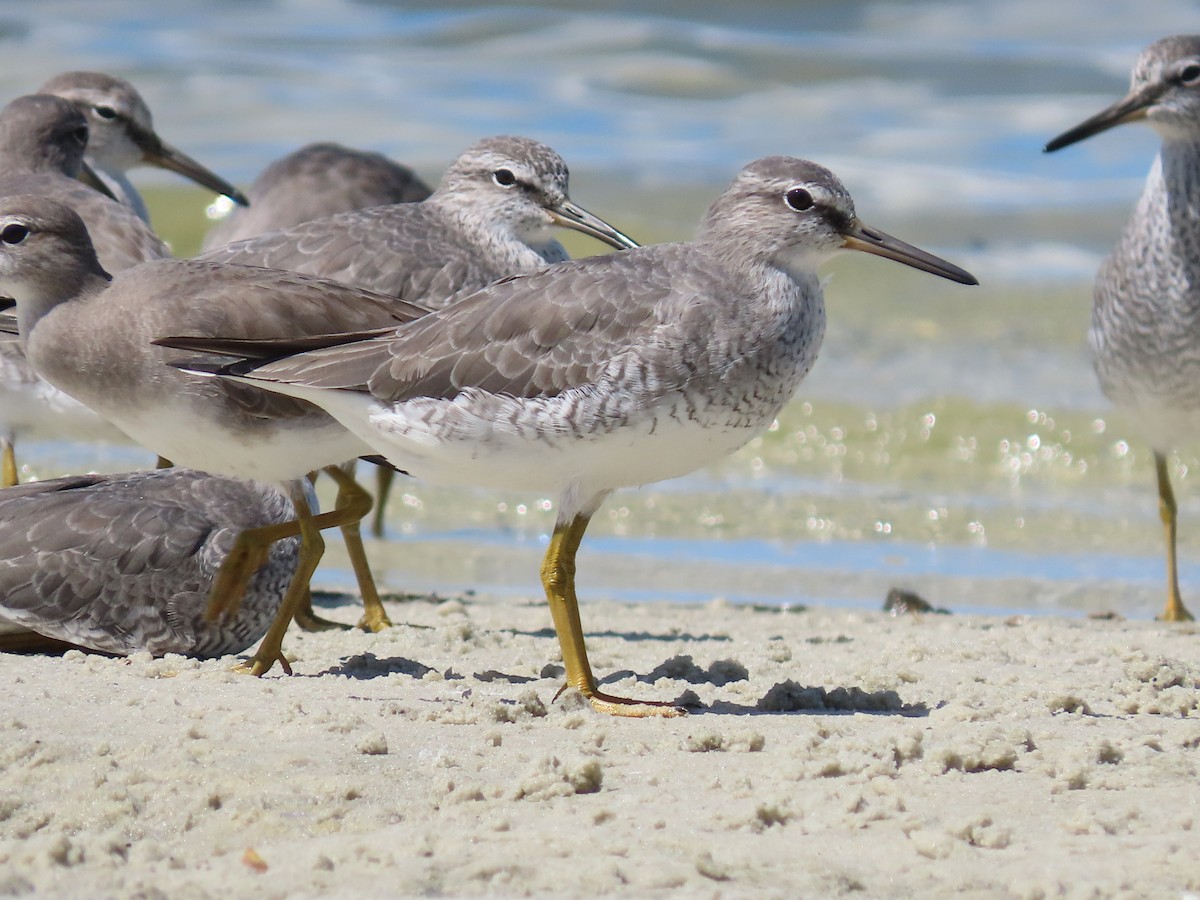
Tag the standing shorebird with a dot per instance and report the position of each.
(122, 563)
(122, 137)
(1145, 332)
(317, 180)
(602, 373)
(43, 140)
(490, 217)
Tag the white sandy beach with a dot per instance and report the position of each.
(929, 756)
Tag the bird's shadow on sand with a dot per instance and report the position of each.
(785, 698)
(725, 708)
(624, 635)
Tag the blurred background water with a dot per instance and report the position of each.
(949, 440)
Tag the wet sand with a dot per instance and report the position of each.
(833, 753)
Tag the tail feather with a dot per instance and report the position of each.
(269, 348)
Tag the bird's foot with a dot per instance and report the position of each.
(374, 620)
(1176, 612)
(628, 707)
(261, 663)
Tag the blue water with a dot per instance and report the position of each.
(933, 113)
(924, 108)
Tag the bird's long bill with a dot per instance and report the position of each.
(869, 240)
(89, 177)
(568, 215)
(157, 152)
(1128, 109)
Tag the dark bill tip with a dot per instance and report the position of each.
(569, 215)
(870, 240)
(88, 176)
(157, 152)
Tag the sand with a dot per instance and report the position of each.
(836, 753)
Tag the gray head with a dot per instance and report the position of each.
(45, 254)
(522, 183)
(1164, 91)
(792, 214)
(122, 131)
(41, 133)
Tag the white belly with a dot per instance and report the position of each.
(493, 452)
(271, 454)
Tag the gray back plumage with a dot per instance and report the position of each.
(660, 317)
(122, 563)
(318, 180)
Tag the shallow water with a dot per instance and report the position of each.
(950, 440)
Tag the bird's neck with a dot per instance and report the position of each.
(511, 251)
(1173, 185)
(70, 285)
(122, 188)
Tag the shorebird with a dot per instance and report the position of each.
(1145, 332)
(89, 333)
(122, 137)
(43, 139)
(125, 563)
(489, 218)
(601, 373)
(315, 181)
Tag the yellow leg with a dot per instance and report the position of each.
(163, 463)
(312, 546)
(1175, 611)
(306, 617)
(8, 468)
(384, 476)
(249, 551)
(353, 503)
(558, 578)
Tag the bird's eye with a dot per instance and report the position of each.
(799, 199)
(14, 234)
(106, 112)
(1189, 74)
(504, 177)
